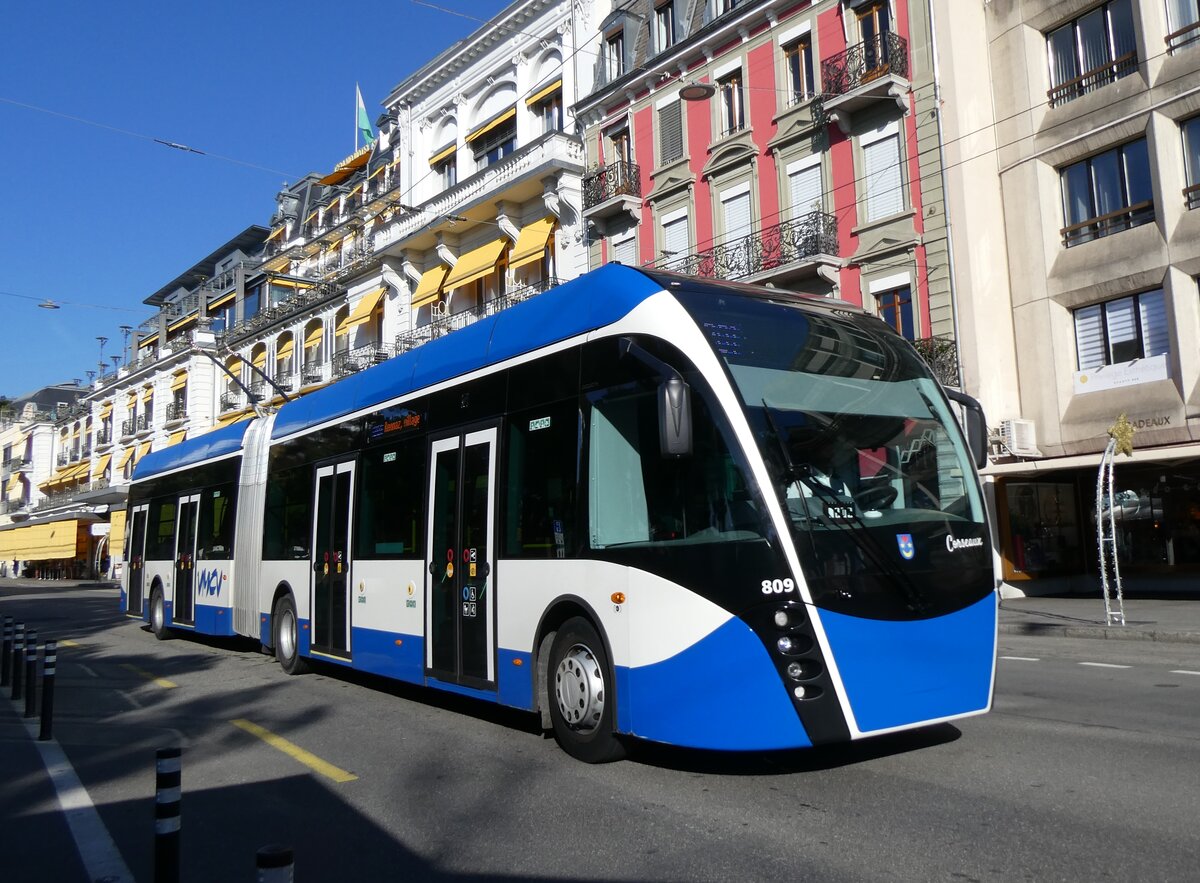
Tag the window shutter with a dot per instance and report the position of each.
(807, 195)
(1155, 335)
(670, 132)
(884, 185)
(737, 217)
(1122, 328)
(1089, 338)
(625, 252)
(675, 237)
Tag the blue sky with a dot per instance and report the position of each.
(99, 218)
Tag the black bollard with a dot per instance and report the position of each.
(18, 659)
(168, 778)
(31, 673)
(6, 652)
(274, 864)
(49, 663)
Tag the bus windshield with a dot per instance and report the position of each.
(864, 451)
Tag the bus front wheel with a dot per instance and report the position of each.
(287, 637)
(158, 615)
(580, 694)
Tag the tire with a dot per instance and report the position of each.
(580, 696)
(286, 628)
(158, 615)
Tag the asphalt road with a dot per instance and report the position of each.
(1081, 772)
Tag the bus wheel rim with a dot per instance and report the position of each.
(287, 634)
(579, 689)
(158, 612)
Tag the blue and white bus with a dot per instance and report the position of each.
(698, 513)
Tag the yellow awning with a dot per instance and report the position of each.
(492, 123)
(259, 359)
(125, 457)
(357, 187)
(379, 170)
(14, 483)
(40, 542)
(314, 337)
(442, 154)
(430, 286)
(80, 472)
(116, 534)
(176, 438)
(544, 92)
(364, 309)
(106, 410)
(476, 264)
(179, 381)
(235, 417)
(286, 350)
(290, 283)
(278, 231)
(148, 341)
(131, 402)
(222, 301)
(531, 243)
(101, 466)
(187, 320)
(143, 449)
(337, 176)
(147, 393)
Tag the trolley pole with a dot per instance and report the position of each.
(168, 777)
(18, 659)
(31, 640)
(6, 652)
(49, 663)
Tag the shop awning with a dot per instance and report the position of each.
(259, 360)
(286, 349)
(77, 473)
(531, 243)
(176, 438)
(14, 484)
(106, 410)
(40, 542)
(116, 534)
(492, 124)
(187, 320)
(126, 455)
(314, 337)
(476, 264)
(222, 301)
(148, 341)
(179, 381)
(101, 466)
(364, 309)
(143, 449)
(430, 286)
(543, 93)
(442, 154)
(235, 417)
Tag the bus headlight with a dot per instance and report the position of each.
(782, 618)
(795, 670)
(786, 645)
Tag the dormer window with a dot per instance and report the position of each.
(664, 26)
(614, 55)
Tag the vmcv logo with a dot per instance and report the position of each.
(209, 582)
(953, 545)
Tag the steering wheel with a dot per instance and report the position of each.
(879, 496)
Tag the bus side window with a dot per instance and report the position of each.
(287, 532)
(391, 490)
(216, 522)
(539, 486)
(160, 545)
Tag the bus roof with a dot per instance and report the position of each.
(208, 446)
(592, 301)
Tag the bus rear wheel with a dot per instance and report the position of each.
(287, 637)
(158, 615)
(580, 695)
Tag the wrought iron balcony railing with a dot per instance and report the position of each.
(941, 354)
(312, 373)
(231, 401)
(103, 437)
(176, 411)
(349, 361)
(775, 247)
(884, 54)
(443, 325)
(622, 178)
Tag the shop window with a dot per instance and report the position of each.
(1043, 525)
(1107, 193)
(1091, 51)
(1122, 330)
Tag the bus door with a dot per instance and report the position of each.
(187, 524)
(135, 551)
(331, 559)
(460, 600)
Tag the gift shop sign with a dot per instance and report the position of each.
(1122, 374)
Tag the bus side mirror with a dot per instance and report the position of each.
(675, 418)
(976, 426)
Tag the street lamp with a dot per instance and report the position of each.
(125, 329)
(694, 90)
(103, 340)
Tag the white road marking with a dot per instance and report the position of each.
(1105, 665)
(1022, 658)
(1184, 671)
(88, 670)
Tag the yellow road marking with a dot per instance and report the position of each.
(294, 751)
(66, 642)
(162, 682)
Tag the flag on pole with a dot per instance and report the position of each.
(364, 124)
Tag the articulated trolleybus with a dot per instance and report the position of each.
(697, 513)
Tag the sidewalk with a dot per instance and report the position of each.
(1172, 620)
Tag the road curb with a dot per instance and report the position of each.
(1109, 633)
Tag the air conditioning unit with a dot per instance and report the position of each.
(1020, 437)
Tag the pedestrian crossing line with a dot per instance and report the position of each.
(1184, 671)
(295, 752)
(162, 682)
(1021, 658)
(1105, 665)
